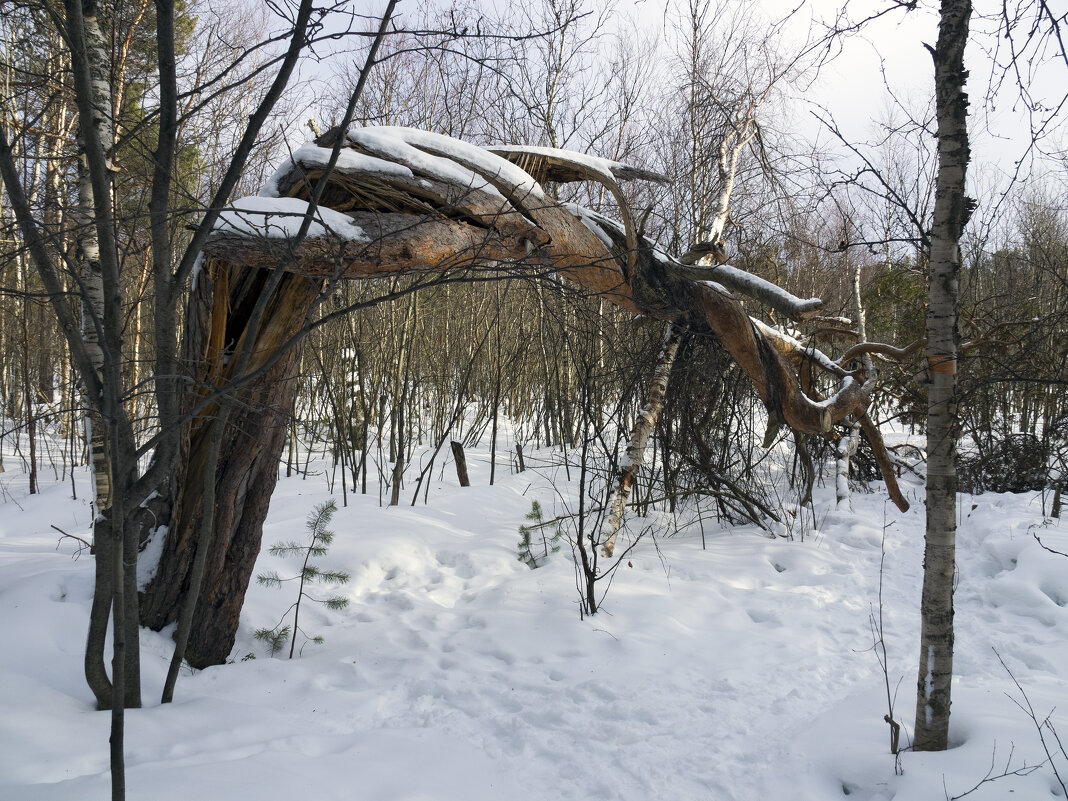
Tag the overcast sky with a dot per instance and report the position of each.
(890, 51)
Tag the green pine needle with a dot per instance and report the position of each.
(310, 573)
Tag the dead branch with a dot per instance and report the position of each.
(84, 543)
(880, 349)
(420, 202)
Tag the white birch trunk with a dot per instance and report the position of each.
(950, 213)
(634, 457)
(847, 446)
(91, 275)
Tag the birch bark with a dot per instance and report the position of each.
(97, 124)
(634, 458)
(950, 215)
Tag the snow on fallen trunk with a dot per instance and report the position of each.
(311, 155)
(484, 161)
(281, 218)
(562, 161)
(393, 143)
(757, 288)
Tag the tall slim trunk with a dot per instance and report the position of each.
(845, 450)
(848, 444)
(632, 461)
(398, 465)
(950, 215)
(27, 386)
(93, 327)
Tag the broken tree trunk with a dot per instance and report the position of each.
(461, 463)
(404, 202)
(247, 467)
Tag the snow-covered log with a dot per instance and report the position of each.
(445, 204)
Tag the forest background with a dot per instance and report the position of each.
(813, 207)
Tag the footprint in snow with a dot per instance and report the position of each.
(500, 656)
(400, 602)
(764, 616)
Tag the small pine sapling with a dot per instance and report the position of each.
(525, 556)
(549, 542)
(275, 639)
(321, 537)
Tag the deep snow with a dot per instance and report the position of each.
(743, 671)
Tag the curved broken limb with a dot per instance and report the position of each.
(400, 202)
(881, 349)
(800, 356)
(422, 202)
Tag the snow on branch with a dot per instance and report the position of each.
(567, 166)
(310, 156)
(793, 349)
(746, 283)
(484, 161)
(281, 218)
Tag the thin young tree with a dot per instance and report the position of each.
(951, 211)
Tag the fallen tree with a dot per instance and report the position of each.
(401, 202)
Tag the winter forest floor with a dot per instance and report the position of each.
(744, 670)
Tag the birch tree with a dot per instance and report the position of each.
(101, 355)
(951, 211)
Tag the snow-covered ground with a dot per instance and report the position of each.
(741, 671)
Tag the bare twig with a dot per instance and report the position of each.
(1051, 550)
(875, 620)
(1008, 770)
(1046, 724)
(84, 543)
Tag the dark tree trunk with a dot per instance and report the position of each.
(247, 470)
(461, 463)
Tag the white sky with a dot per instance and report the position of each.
(852, 86)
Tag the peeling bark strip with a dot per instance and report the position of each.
(942, 363)
(634, 458)
(936, 607)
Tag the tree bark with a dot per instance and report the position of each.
(461, 463)
(846, 448)
(247, 466)
(634, 458)
(950, 215)
(92, 283)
